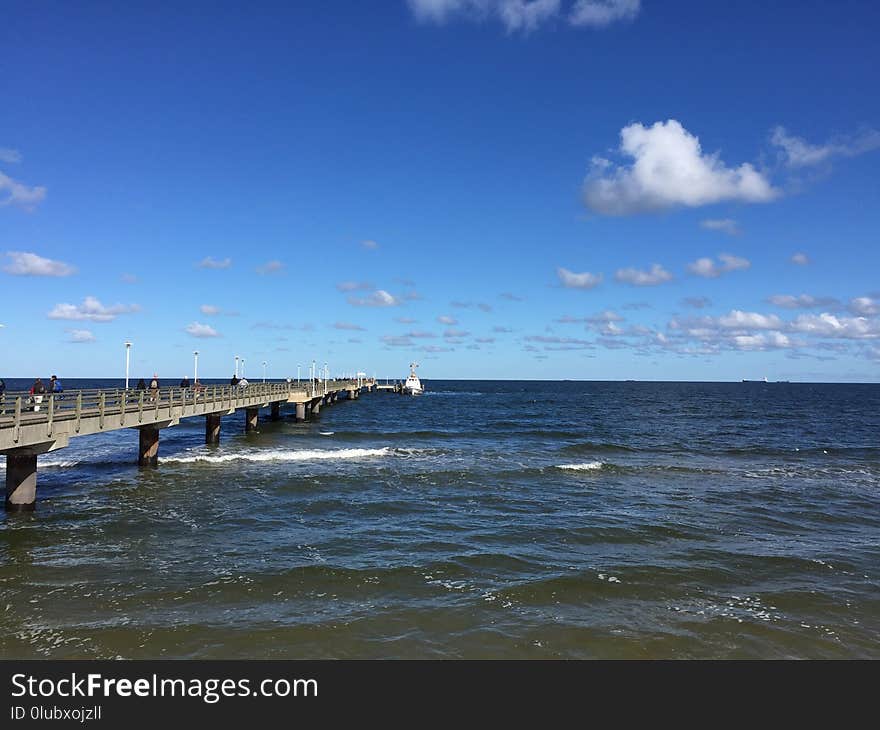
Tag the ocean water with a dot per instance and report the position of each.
(482, 520)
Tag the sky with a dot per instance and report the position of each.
(544, 189)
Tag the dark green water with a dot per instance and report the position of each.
(485, 519)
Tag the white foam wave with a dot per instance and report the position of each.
(259, 456)
(586, 466)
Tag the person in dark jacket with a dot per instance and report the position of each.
(141, 384)
(185, 382)
(234, 380)
(38, 390)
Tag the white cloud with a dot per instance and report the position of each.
(446, 319)
(604, 317)
(379, 298)
(369, 245)
(197, 329)
(420, 334)
(91, 309)
(669, 169)
(29, 264)
(81, 336)
(16, 193)
(348, 326)
(656, 275)
(525, 15)
(762, 341)
(829, 325)
(802, 301)
(209, 309)
(455, 333)
(865, 306)
(725, 225)
(801, 259)
(405, 320)
(511, 297)
(599, 13)
(740, 320)
(710, 269)
(9, 155)
(270, 267)
(210, 263)
(797, 152)
(354, 286)
(697, 302)
(571, 280)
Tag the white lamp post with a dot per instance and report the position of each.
(264, 370)
(236, 366)
(242, 369)
(297, 373)
(127, 360)
(195, 367)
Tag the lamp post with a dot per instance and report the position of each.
(127, 360)
(264, 370)
(242, 369)
(297, 374)
(236, 366)
(195, 367)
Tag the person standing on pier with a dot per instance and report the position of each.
(141, 384)
(185, 382)
(234, 380)
(154, 387)
(37, 392)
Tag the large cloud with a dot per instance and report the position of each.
(23, 263)
(655, 275)
(571, 280)
(668, 169)
(13, 192)
(92, 310)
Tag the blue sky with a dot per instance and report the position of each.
(600, 189)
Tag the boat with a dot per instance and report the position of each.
(413, 386)
(757, 381)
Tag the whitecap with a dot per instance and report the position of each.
(283, 455)
(586, 466)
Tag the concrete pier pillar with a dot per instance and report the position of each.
(300, 411)
(276, 411)
(148, 447)
(251, 419)
(21, 483)
(212, 428)
(316, 407)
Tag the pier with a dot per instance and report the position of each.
(30, 427)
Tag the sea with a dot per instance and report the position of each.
(484, 519)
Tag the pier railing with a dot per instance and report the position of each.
(135, 406)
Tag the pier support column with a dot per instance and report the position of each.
(148, 447)
(300, 411)
(21, 482)
(251, 418)
(316, 407)
(212, 428)
(276, 411)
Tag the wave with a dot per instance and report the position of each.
(283, 456)
(586, 466)
(589, 446)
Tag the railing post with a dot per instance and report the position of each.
(141, 406)
(51, 415)
(16, 431)
(102, 399)
(122, 407)
(79, 406)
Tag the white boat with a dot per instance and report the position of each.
(413, 386)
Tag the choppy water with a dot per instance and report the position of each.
(485, 519)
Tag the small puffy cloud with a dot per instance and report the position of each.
(801, 259)
(354, 286)
(710, 269)
(348, 326)
(22, 263)
(697, 302)
(210, 263)
(197, 329)
(484, 340)
(725, 225)
(604, 317)
(668, 169)
(599, 13)
(511, 297)
(571, 280)
(737, 319)
(405, 320)
(397, 341)
(446, 319)
(92, 310)
(803, 301)
(270, 267)
(369, 245)
(18, 194)
(655, 275)
(209, 309)
(81, 336)
(421, 335)
(379, 298)
(865, 306)
(455, 333)
(797, 152)
(9, 155)
(501, 330)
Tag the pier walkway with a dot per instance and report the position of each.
(32, 426)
